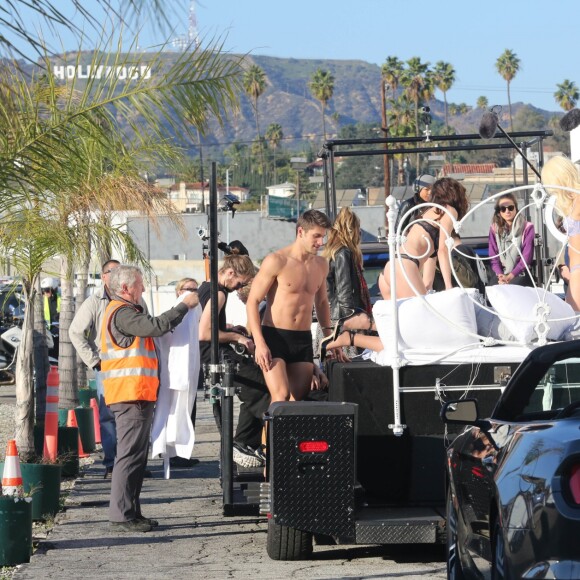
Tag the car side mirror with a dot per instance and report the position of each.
(462, 412)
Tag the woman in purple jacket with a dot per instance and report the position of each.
(511, 243)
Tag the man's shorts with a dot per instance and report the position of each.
(292, 346)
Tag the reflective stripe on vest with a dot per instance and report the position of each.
(131, 373)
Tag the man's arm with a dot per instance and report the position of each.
(83, 332)
(131, 322)
(265, 278)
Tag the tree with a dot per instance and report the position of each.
(444, 77)
(322, 87)
(63, 157)
(391, 73)
(508, 65)
(482, 102)
(254, 82)
(567, 95)
(416, 81)
(274, 135)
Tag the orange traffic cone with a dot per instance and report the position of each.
(12, 476)
(95, 408)
(72, 422)
(51, 417)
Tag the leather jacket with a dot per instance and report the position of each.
(343, 286)
(405, 206)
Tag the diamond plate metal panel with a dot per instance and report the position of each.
(396, 534)
(313, 491)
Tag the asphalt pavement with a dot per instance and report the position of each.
(194, 539)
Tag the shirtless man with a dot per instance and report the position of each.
(293, 280)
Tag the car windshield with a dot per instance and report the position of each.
(558, 388)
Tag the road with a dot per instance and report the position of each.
(193, 538)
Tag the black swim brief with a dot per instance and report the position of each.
(291, 346)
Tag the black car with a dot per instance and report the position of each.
(513, 500)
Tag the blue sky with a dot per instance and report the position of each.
(469, 35)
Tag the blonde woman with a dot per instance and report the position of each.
(561, 171)
(347, 289)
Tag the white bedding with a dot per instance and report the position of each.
(473, 354)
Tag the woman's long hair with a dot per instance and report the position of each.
(501, 226)
(345, 233)
(448, 191)
(561, 171)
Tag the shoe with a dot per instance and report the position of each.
(336, 330)
(259, 453)
(147, 473)
(246, 457)
(182, 462)
(151, 522)
(135, 525)
(108, 473)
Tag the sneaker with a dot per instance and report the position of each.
(135, 525)
(259, 453)
(182, 462)
(151, 522)
(246, 457)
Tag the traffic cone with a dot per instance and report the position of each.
(12, 476)
(72, 422)
(95, 408)
(51, 417)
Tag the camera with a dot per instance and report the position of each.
(202, 233)
(425, 109)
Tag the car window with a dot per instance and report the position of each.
(558, 387)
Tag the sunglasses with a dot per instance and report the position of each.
(504, 208)
(189, 289)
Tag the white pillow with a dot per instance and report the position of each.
(515, 305)
(421, 328)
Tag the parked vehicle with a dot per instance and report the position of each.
(513, 499)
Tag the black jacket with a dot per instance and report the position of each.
(343, 285)
(405, 206)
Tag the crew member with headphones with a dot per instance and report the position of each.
(422, 193)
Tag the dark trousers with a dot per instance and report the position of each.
(255, 398)
(133, 421)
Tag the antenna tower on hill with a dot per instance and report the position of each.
(191, 40)
(192, 35)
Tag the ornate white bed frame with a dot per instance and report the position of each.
(542, 209)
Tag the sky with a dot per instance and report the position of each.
(469, 35)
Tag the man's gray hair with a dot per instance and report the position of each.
(123, 276)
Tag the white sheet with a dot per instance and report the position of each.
(476, 353)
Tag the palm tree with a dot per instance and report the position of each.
(444, 77)
(322, 87)
(274, 135)
(482, 102)
(391, 73)
(61, 147)
(415, 80)
(567, 95)
(254, 82)
(508, 65)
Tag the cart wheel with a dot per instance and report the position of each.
(286, 543)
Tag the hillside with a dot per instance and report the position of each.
(288, 101)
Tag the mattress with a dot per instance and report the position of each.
(474, 353)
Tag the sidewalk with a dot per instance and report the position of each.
(194, 539)
(188, 507)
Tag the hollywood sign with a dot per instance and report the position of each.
(129, 73)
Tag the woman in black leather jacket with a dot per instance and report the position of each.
(347, 288)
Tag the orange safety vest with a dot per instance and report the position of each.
(131, 373)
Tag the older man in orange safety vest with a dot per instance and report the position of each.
(130, 377)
